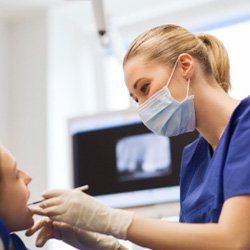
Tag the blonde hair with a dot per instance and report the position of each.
(166, 42)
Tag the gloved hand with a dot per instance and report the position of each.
(73, 236)
(83, 211)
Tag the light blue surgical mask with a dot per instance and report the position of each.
(163, 115)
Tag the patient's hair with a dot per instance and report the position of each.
(165, 43)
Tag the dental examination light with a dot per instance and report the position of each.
(101, 23)
(108, 33)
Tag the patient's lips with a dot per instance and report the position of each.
(35, 202)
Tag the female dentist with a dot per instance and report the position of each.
(180, 81)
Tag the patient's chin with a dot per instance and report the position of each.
(29, 222)
(24, 223)
(20, 226)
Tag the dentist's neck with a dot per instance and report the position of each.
(213, 107)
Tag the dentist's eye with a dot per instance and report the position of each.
(144, 88)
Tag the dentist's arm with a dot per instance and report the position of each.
(230, 233)
(85, 212)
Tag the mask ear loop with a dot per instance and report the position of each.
(188, 85)
(173, 70)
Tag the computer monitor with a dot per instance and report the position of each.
(123, 162)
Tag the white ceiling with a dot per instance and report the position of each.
(26, 3)
(133, 14)
(115, 3)
(129, 10)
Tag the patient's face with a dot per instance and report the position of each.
(14, 193)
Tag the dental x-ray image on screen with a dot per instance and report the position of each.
(123, 162)
(142, 156)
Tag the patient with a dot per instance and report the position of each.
(14, 195)
(16, 216)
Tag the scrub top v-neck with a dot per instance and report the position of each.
(207, 180)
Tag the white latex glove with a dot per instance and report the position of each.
(83, 211)
(73, 236)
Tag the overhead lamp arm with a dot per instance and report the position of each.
(99, 16)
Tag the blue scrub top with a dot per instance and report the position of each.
(6, 238)
(206, 179)
(4, 235)
(17, 242)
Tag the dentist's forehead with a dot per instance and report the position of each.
(137, 68)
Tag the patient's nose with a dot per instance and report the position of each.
(26, 177)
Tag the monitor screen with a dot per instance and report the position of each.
(123, 162)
